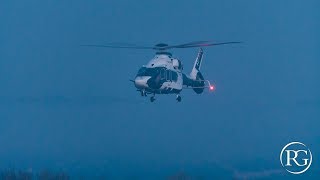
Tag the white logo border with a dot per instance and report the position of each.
(300, 172)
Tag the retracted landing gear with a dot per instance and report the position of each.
(178, 98)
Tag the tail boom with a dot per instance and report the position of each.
(196, 80)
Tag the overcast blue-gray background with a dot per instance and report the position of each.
(68, 107)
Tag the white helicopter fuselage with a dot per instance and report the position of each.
(161, 75)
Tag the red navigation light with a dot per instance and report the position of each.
(212, 88)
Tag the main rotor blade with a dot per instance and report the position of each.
(193, 43)
(203, 44)
(186, 44)
(119, 45)
(208, 43)
(160, 47)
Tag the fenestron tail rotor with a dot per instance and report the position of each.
(162, 46)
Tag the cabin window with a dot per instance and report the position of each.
(174, 76)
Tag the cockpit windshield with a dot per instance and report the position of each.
(148, 71)
(165, 74)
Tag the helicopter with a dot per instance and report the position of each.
(163, 73)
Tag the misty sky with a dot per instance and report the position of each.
(69, 107)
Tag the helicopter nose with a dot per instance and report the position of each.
(141, 82)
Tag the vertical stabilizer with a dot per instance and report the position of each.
(197, 65)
